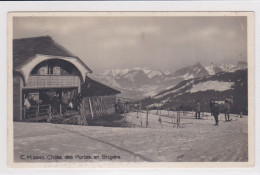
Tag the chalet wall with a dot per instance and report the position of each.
(17, 97)
(101, 106)
(52, 82)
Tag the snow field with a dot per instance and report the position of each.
(195, 140)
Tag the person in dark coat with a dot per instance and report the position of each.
(216, 112)
(32, 101)
(79, 99)
(115, 106)
(56, 102)
(211, 104)
(197, 115)
(227, 110)
(120, 107)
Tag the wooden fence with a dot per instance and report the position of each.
(98, 106)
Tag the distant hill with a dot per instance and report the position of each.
(232, 85)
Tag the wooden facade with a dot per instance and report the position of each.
(17, 96)
(41, 81)
(44, 70)
(99, 106)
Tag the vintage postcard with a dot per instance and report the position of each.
(130, 89)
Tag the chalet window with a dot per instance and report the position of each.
(49, 70)
(53, 70)
(56, 70)
(43, 71)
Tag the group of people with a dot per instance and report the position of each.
(215, 110)
(54, 101)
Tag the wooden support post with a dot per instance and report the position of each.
(60, 110)
(37, 113)
(24, 112)
(83, 112)
(91, 110)
(101, 106)
(49, 111)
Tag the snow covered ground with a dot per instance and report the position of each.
(211, 85)
(196, 140)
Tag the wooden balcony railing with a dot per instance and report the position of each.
(52, 81)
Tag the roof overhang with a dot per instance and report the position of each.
(28, 66)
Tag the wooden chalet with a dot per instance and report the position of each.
(44, 73)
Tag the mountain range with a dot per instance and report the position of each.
(221, 86)
(138, 83)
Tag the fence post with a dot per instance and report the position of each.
(147, 118)
(178, 118)
(172, 120)
(37, 112)
(160, 119)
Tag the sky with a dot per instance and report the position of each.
(164, 43)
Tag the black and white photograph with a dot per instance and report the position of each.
(135, 87)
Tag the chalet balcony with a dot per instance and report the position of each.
(52, 81)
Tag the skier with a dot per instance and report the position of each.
(216, 112)
(197, 115)
(227, 110)
(211, 104)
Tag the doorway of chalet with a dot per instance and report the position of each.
(39, 103)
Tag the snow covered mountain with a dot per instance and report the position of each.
(137, 82)
(193, 71)
(232, 85)
(142, 82)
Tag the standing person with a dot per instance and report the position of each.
(211, 104)
(227, 110)
(216, 112)
(70, 104)
(56, 102)
(79, 99)
(115, 106)
(31, 100)
(198, 110)
(120, 106)
(27, 104)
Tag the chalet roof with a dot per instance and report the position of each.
(25, 48)
(93, 88)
